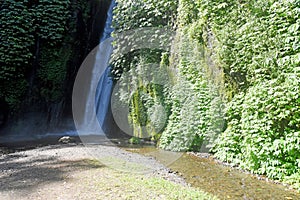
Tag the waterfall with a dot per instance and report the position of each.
(98, 96)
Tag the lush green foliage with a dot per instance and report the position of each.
(15, 49)
(259, 52)
(263, 129)
(144, 13)
(196, 115)
(245, 55)
(132, 15)
(260, 40)
(25, 27)
(133, 70)
(37, 43)
(52, 72)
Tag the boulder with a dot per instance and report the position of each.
(66, 140)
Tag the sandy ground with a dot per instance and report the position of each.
(70, 171)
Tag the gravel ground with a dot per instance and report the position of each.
(70, 171)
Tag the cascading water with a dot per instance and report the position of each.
(90, 101)
(101, 100)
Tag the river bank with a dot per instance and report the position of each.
(134, 166)
(202, 171)
(74, 171)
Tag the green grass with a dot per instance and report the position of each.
(112, 184)
(158, 188)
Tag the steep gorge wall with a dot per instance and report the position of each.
(43, 44)
(235, 81)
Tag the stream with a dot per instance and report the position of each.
(202, 172)
(223, 181)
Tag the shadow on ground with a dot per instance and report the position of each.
(20, 171)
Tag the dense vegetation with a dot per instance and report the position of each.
(42, 44)
(230, 84)
(148, 99)
(25, 28)
(234, 80)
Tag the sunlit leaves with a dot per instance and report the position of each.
(258, 49)
(252, 47)
(130, 14)
(266, 121)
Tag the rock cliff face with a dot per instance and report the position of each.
(45, 105)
